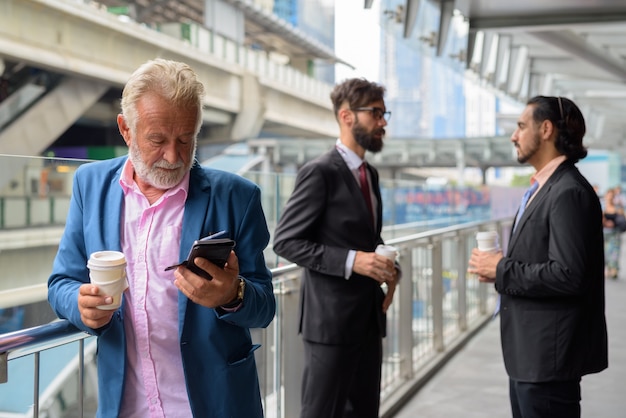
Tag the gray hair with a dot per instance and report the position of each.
(172, 80)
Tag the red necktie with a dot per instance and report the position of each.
(365, 188)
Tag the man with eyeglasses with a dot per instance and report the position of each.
(331, 226)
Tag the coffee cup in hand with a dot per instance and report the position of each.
(107, 270)
(488, 241)
(387, 251)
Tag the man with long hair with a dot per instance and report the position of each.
(551, 280)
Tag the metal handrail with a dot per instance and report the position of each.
(31, 340)
(401, 367)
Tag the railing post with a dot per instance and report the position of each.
(405, 326)
(461, 257)
(292, 350)
(81, 377)
(51, 201)
(36, 387)
(28, 209)
(482, 297)
(4, 367)
(277, 361)
(436, 293)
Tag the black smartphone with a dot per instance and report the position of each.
(214, 250)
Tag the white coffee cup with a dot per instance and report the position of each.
(488, 241)
(107, 270)
(388, 251)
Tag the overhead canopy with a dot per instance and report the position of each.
(275, 34)
(571, 48)
(262, 28)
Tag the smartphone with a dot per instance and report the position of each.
(214, 250)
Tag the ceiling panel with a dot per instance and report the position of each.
(262, 28)
(573, 48)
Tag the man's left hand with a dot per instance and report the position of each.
(222, 289)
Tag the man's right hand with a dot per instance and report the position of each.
(373, 265)
(88, 299)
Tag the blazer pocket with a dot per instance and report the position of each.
(237, 361)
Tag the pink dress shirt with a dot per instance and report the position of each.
(544, 174)
(154, 384)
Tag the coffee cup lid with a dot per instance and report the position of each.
(486, 234)
(106, 259)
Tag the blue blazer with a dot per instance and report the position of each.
(216, 347)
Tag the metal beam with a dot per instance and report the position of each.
(410, 16)
(517, 20)
(446, 9)
(580, 48)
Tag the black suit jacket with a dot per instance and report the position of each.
(325, 217)
(552, 284)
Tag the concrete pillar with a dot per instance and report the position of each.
(249, 121)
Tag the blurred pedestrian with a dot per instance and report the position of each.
(612, 221)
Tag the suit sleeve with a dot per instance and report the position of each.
(298, 235)
(552, 256)
(69, 270)
(252, 237)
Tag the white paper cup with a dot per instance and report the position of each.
(488, 241)
(107, 270)
(388, 251)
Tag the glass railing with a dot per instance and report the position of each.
(35, 192)
(435, 305)
(436, 308)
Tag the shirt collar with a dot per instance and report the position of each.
(351, 158)
(544, 174)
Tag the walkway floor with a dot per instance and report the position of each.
(474, 383)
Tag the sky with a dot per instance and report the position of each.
(357, 39)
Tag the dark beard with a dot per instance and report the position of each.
(523, 158)
(366, 139)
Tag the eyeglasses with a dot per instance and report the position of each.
(377, 112)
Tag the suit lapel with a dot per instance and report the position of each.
(534, 203)
(113, 212)
(196, 209)
(355, 191)
(194, 219)
(537, 201)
